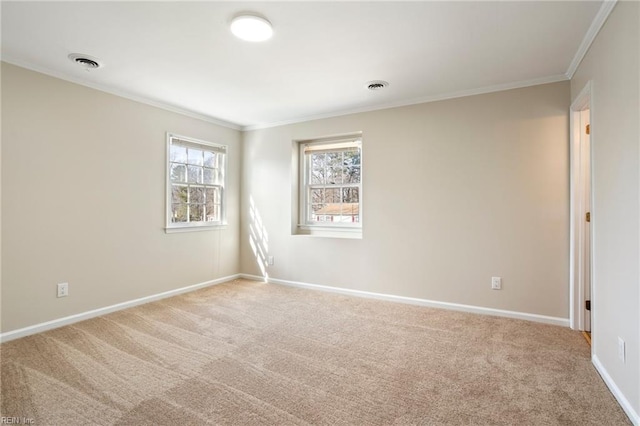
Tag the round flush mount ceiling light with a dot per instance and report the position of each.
(376, 84)
(86, 61)
(251, 28)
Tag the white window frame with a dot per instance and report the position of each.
(305, 226)
(207, 146)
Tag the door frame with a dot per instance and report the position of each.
(578, 211)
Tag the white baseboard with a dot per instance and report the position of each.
(253, 278)
(38, 328)
(617, 393)
(49, 325)
(420, 302)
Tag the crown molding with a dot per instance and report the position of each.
(120, 93)
(415, 101)
(594, 29)
(596, 25)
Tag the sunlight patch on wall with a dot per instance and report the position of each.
(258, 238)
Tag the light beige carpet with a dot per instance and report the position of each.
(252, 353)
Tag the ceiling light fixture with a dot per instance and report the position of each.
(251, 28)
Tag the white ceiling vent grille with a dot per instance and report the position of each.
(377, 84)
(86, 61)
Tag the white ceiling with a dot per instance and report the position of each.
(183, 56)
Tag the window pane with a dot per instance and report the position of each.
(194, 156)
(178, 194)
(350, 195)
(317, 195)
(317, 169)
(332, 195)
(178, 213)
(213, 195)
(316, 213)
(317, 177)
(212, 204)
(218, 176)
(334, 159)
(178, 154)
(349, 213)
(194, 174)
(351, 158)
(208, 176)
(212, 212)
(178, 173)
(349, 209)
(334, 176)
(351, 174)
(318, 161)
(196, 195)
(196, 212)
(209, 159)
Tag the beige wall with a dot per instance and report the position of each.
(612, 66)
(83, 193)
(455, 192)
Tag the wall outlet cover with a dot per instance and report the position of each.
(63, 289)
(496, 283)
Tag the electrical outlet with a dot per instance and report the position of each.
(63, 289)
(496, 283)
(270, 260)
(621, 349)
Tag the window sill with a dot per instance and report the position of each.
(194, 228)
(330, 231)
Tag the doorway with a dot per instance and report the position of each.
(585, 170)
(581, 293)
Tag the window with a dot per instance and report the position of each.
(331, 184)
(195, 183)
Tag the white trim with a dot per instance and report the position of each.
(71, 319)
(194, 228)
(576, 231)
(592, 32)
(328, 232)
(122, 94)
(415, 101)
(617, 393)
(564, 322)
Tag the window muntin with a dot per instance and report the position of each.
(195, 183)
(331, 183)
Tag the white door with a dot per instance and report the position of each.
(582, 231)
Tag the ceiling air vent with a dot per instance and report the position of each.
(377, 84)
(86, 61)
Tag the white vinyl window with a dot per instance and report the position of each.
(195, 184)
(331, 183)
